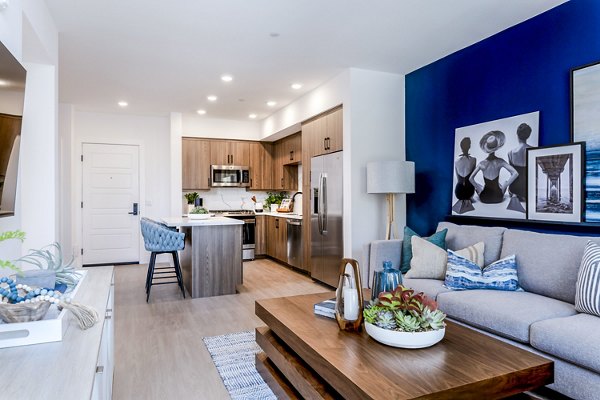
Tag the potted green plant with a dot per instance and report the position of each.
(191, 200)
(199, 213)
(8, 235)
(401, 318)
(273, 200)
(53, 270)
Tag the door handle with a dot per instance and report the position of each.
(324, 197)
(135, 209)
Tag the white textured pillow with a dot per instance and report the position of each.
(474, 253)
(428, 260)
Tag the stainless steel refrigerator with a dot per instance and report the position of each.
(327, 243)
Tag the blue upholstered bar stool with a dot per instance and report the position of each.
(160, 239)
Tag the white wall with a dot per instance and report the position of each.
(28, 31)
(151, 134)
(194, 125)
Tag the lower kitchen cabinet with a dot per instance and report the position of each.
(277, 238)
(260, 236)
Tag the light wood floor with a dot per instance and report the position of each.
(159, 353)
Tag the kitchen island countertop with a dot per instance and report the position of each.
(184, 221)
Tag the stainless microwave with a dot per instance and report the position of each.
(229, 176)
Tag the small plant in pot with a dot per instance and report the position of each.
(191, 199)
(199, 213)
(54, 272)
(273, 200)
(403, 318)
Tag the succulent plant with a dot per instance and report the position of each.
(199, 210)
(51, 258)
(404, 310)
(433, 319)
(407, 322)
(386, 320)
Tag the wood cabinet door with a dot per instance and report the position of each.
(281, 224)
(240, 153)
(195, 164)
(292, 149)
(335, 132)
(277, 175)
(261, 166)
(271, 237)
(261, 235)
(219, 152)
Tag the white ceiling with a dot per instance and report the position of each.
(164, 56)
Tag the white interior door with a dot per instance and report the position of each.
(111, 187)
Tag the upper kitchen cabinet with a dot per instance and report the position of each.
(285, 174)
(228, 152)
(292, 149)
(323, 134)
(261, 166)
(195, 164)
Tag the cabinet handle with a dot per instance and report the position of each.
(251, 182)
(282, 182)
(292, 155)
(276, 224)
(325, 144)
(327, 140)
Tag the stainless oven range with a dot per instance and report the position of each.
(248, 230)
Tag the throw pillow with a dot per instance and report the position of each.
(474, 253)
(438, 238)
(463, 274)
(587, 294)
(428, 261)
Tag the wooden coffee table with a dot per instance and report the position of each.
(306, 355)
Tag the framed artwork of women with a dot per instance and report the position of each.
(490, 167)
(585, 127)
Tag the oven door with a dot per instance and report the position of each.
(225, 176)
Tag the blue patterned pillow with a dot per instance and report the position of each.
(463, 274)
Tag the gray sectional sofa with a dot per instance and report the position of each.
(541, 319)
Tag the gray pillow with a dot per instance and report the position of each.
(461, 236)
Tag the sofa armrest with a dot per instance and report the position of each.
(378, 252)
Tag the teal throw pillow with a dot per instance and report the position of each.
(438, 238)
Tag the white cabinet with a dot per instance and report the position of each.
(103, 379)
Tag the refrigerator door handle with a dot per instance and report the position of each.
(324, 208)
(319, 205)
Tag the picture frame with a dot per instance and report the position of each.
(555, 183)
(503, 195)
(585, 127)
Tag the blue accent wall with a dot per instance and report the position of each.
(522, 69)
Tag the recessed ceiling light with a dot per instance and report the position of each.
(252, 116)
(226, 78)
(271, 103)
(123, 104)
(201, 112)
(274, 34)
(296, 86)
(211, 98)
(3, 83)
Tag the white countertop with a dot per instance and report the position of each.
(184, 221)
(281, 215)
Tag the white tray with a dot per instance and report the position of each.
(49, 329)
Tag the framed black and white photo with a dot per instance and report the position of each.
(490, 167)
(554, 183)
(585, 127)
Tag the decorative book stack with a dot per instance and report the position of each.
(326, 308)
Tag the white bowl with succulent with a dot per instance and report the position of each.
(404, 319)
(199, 213)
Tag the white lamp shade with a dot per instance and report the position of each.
(391, 177)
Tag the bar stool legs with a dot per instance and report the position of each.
(153, 270)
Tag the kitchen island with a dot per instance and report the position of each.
(211, 261)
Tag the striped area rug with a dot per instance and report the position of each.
(233, 355)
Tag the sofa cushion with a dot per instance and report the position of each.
(461, 236)
(548, 263)
(431, 287)
(438, 238)
(428, 261)
(587, 295)
(573, 339)
(463, 274)
(507, 314)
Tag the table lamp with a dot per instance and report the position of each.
(391, 177)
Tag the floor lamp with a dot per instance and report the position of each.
(391, 177)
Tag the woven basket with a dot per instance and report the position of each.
(21, 312)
